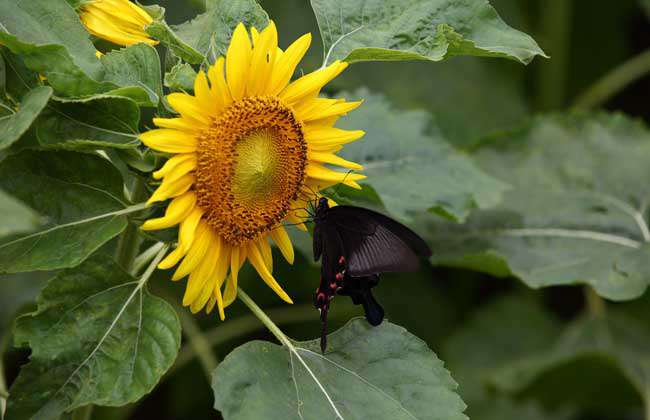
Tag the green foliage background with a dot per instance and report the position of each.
(496, 164)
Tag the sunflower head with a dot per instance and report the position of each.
(118, 21)
(249, 150)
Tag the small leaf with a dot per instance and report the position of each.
(94, 122)
(52, 42)
(181, 77)
(135, 66)
(162, 32)
(16, 216)
(79, 194)
(209, 33)
(577, 212)
(367, 372)
(383, 30)
(13, 126)
(98, 337)
(411, 170)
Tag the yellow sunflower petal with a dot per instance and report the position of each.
(282, 240)
(200, 276)
(311, 83)
(322, 173)
(267, 254)
(182, 124)
(204, 241)
(262, 60)
(330, 136)
(256, 259)
(172, 258)
(176, 212)
(319, 110)
(297, 221)
(172, 189)
(189, 107)
(333, 160)
(169, 141)
(187, 231)
(203, 94)
(238, 61)
(286, 64)
(174, 162)
(219, 88)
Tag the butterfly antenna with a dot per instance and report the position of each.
(336, 190)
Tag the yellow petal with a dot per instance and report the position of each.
(287, 62)
(180, 170)
(172, 258)
(189, 108)
(200, 277)
(318, 110)
(172, 189)
(282, 240)
(182, 124)
(296, 221)
(257, 261)
(177, 210)
(238, 61)
(187, 231)
(174, 162)
(320, 172)
(204, 240)
(262, 61)
(203, 94)
(219, 88)
(212, 280)
(169, 141)
(267, 254)
(333, 160)
(311, 83)
(330, 136)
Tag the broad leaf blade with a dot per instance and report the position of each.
(12, 127)
(97, 338)
(380, 372)
(417, 30)
(181, 77)
(53, 42)
(137, 66)
(577, 212)
(16, 216)
(411, 170)
(79, 194)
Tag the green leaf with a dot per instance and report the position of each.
(612, 349)
(135, 66)
(505, 330)
(181, 77)
(162, 32)
(98, 337)
(411, 170)
(367, 372)
(19, 79)
(95, 122)
(209, 33)
(381, 30)
(577, 212)
(16, 216)
(79, 194)
(13, 126)
(53, 42)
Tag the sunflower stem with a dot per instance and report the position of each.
(130, 240)
(198, 342)
(146, 257)
(262, 316)
(614, 81)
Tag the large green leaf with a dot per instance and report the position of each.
(367, 372)
(90, 123)
(52, 41)
(433, 30)
(16, 216)
(136, 66)
(180, 77)
(411, 170)
(595, 356)
(577, 213)
(79, 194)
(209, 33)
(13, 126)
(98, 337)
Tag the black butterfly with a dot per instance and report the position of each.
(356, 245)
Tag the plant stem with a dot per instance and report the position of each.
(82, 413)
(262, 316)
(4, 393)
(130, 240)
(556, 31)
(146, 257)
(199, 343)
(614, 81)
(595, 304)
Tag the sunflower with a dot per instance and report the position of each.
(118, 21)
(249, 151)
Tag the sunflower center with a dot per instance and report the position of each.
(251, 167)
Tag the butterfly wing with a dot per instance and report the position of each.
(374, 243)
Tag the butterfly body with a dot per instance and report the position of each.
(355, 245)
